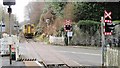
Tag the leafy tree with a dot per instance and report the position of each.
(88, 11)
(33, 11)
(94, 10)
(114, 7)
(90, 28)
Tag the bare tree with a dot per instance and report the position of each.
(33, 11)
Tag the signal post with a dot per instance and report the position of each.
(9, 3)
(107, 28)
(68, 29)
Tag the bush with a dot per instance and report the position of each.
(89, 25)
(86, 33)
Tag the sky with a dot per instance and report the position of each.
(18, 8)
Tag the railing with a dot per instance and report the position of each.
(56, 40)
(113, 57)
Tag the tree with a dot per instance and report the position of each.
(94, 10)
(88, 11)
(89, 27)
(1, 12)
(114, 7)
(33, 11)
(58, 7)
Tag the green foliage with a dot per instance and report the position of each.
(88, 11)
(88, 25)
(94, 10)
(58, 7)
(114, 7)
(116, 21)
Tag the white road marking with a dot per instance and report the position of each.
(38, 63)
(77, 63)
(81, 53)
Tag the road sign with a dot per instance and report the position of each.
(67, 25)
(8, 2)
(69, 34)
(108, 14)
(2, 27)
(108, 26)
(67, 22)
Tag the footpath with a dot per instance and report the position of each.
(4, 62)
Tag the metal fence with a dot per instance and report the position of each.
(113, 57)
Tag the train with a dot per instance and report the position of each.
(29, 31)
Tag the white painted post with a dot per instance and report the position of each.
(17, 48)
(103, 40)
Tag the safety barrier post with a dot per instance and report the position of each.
(10, 54)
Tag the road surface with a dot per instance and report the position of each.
(70, 55)
(82, 55)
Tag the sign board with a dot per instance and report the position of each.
(16, 27)
(69, 34)
(2, 27)
(4, 46)
(108, 23)
(67, 22)
(9, 2)
(67, 25)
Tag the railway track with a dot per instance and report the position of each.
(44, 54)
(30, 40)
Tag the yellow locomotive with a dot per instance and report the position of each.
(28, 30)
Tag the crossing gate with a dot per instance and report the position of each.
(14, 42)
(4, 45)
(15, 47)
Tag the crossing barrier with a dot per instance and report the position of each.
(12, 40)
(4, 45)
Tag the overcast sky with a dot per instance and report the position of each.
(18, 9)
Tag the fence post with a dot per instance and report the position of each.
(118, 58)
